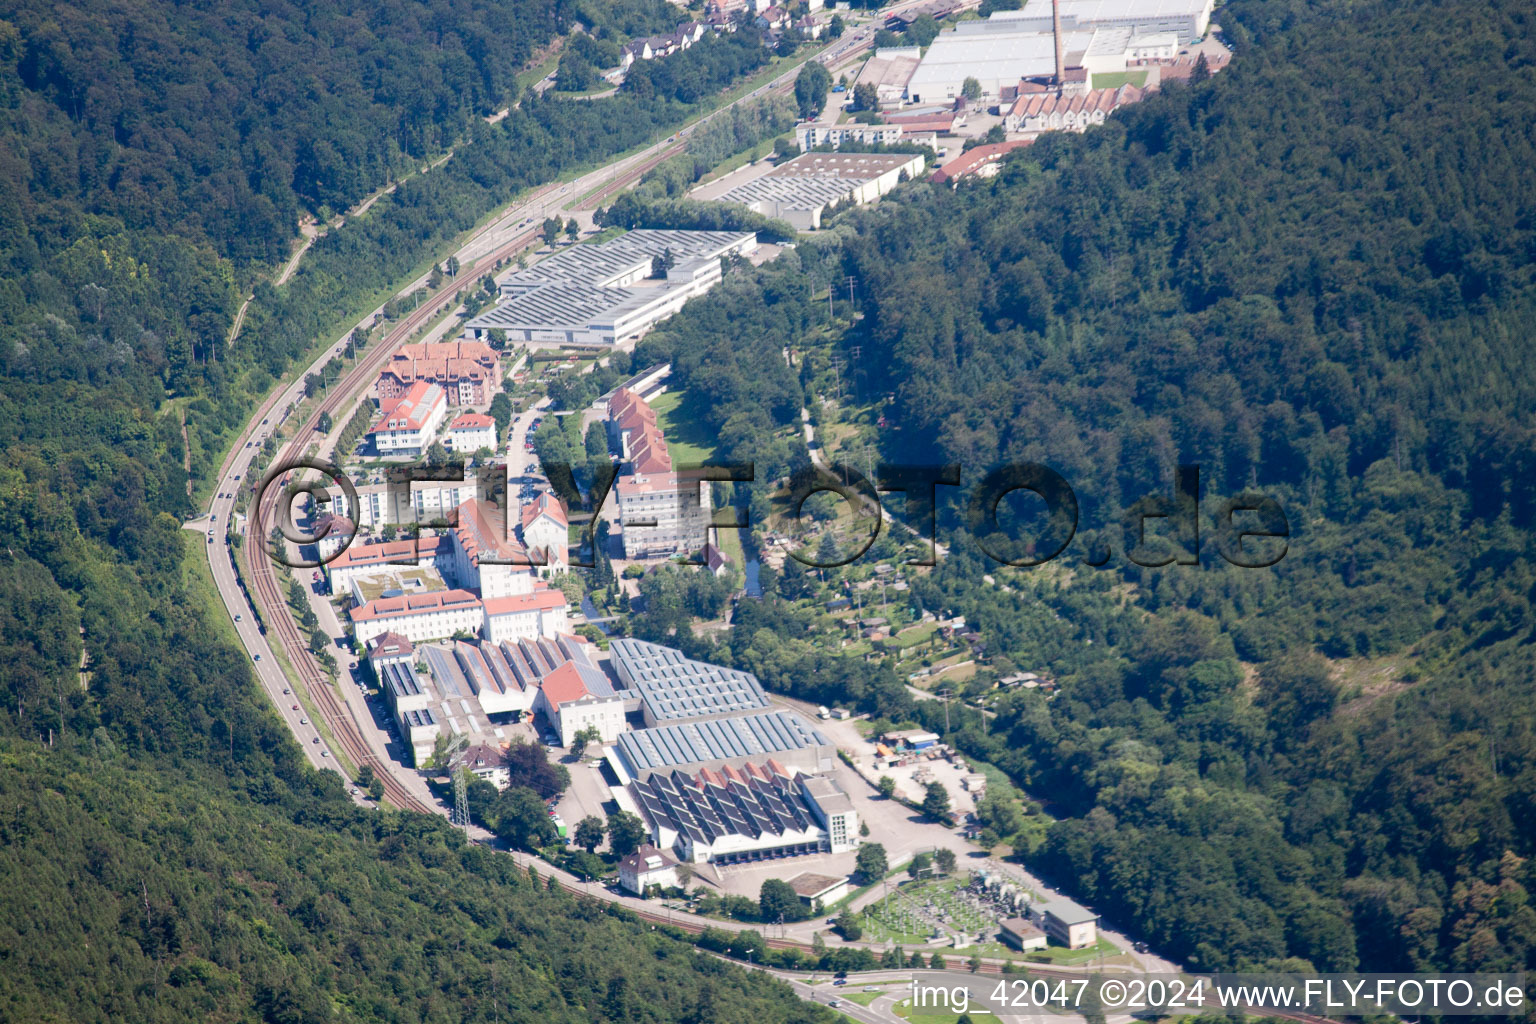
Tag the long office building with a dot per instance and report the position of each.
(601, 295)
(672, 687)
(785, 736)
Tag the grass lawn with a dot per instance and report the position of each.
(687, 439)
(933, 1015)
(1115, 79)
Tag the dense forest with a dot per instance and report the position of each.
(166, 852)
(1312, 276)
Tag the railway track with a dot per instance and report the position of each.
(347, 732)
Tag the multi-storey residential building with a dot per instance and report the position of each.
(472, 431)
(661, 512)
(407, 424)
(419, 617)
(469, 372)
(506, 600)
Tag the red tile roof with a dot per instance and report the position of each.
(472, 421)
(388, 645)
(482, 533)
(563, 686)
(972, 161)
(411, 410)
(396, 552)
(546, 504)
(414, 604)
(542, 598)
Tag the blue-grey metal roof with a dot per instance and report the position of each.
(716, 739)
(675, 687)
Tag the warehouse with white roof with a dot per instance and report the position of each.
(600, 295)
(1188, 19)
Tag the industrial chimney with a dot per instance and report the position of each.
(1056, 33)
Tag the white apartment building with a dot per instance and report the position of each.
(366, 559)
(470, 432)
(546, 533)
(407, 425)
(378, 506)
(661, 514)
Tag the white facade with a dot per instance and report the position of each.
(646, 867)
(428, 502)
(407, 425)
(601, 295)
(472, 432)
(661, 515)
(548, 535)
(418, 619)
(1187, 19)
(568, 717)
(539, 613)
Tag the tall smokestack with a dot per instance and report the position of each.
(1056, 33)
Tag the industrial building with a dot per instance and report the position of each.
(672, 687)
(1070, 924)
(1009, 47)
(496, 593)
(813, 888)
(888, 71)
(1187, 19)
(473, 688)
(785, 736)
(572, 701)
(799, 190)
(737, 815)
(394, 666)
(601, 295)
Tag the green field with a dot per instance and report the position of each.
(687, 439)
(1115, 79)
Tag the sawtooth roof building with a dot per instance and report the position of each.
(785, 736)
(738, 815)
(672, 687)
(600, 295)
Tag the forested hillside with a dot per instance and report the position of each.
(1312, 276)
(166, 853)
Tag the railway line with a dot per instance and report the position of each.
(268, 598)
(265, 589)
